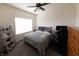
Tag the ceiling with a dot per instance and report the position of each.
(23, 6)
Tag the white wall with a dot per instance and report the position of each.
(8, 14)
(57, 14)
(77, 16)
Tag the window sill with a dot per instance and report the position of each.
(24, 33)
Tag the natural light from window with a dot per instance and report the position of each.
(23, 25)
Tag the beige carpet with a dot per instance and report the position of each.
(22, 49)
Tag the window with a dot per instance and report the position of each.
(23, 25)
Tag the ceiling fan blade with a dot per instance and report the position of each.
(43, 4)
(35, 10)
(42, 8)
(31, 6)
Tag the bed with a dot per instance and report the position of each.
(39, 39)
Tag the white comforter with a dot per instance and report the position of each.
(39, 40)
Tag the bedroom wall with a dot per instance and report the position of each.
(8, 14)
(57, 14)
(77, 16)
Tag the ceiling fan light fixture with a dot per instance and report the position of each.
(39, 6)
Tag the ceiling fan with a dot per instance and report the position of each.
(39, 6)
